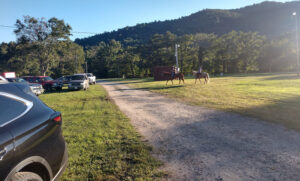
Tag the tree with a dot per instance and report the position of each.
(42, 39)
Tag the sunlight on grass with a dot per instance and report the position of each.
(271, 97)
(102, 144)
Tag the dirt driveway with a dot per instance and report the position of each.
(196, 143)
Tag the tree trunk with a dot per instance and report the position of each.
(132, 69)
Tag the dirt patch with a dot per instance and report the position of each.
(197, 143)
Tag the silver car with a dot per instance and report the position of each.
(37, 89)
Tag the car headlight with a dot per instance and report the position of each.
(81, 83)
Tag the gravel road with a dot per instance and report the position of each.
(197, 143)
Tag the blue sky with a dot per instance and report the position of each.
(105, 15)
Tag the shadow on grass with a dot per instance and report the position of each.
(283, 77)
(65, 90)
(285, 112)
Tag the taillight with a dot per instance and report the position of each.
(57, 119)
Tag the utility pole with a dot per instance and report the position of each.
(86, 67)
(297, 42)
(176, 55)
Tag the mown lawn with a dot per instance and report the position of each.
(271, 97)
(102, 144)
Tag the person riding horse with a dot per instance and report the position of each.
(173, 72)
(200, 70)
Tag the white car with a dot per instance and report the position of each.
(78, 81)
(92, 78)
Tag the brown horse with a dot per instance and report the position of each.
(198, 75)
(179, 76)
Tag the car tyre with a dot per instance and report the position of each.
(26, 176)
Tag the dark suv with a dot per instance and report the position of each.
(31, 143)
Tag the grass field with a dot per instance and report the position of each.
(102, 144)
(271, 97)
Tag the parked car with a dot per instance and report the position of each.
(92, 78)
(63, 80)
(79, 81)
(47, 82)
(37, 89)
(2, 79)
(8, 74)
(31, 143)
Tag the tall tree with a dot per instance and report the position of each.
(42, 37)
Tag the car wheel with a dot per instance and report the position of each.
(26, 176)
(94, 83)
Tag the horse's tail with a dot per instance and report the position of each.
(207, 76)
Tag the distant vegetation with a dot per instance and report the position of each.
(257, 38)
(234, 52)
(271, 19)
(42, 47)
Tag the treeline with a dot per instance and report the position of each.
(234, 52)
(42, 48)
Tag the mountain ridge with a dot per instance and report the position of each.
(268, 18)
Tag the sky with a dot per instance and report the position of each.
(98, 16)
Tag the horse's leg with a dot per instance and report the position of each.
(200, 80)
(195, 80)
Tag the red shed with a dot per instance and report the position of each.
(159, 72)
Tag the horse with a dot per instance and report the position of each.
(198, 75)
(179, 76)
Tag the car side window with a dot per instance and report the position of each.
(12, 107)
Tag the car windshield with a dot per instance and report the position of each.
(21, 80)
(77, 77)
(89, 75)
(47, 78)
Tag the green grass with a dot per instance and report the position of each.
(102, 144)
(270, 97)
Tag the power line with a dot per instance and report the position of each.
(76, 32)
(5, 26)
(84, 32)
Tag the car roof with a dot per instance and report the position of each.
(29, 76)
(2, 79)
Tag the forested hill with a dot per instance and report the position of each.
(268, 18)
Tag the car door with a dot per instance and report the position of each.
(8, 112)
(6, 151)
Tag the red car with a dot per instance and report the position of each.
(47, 82)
